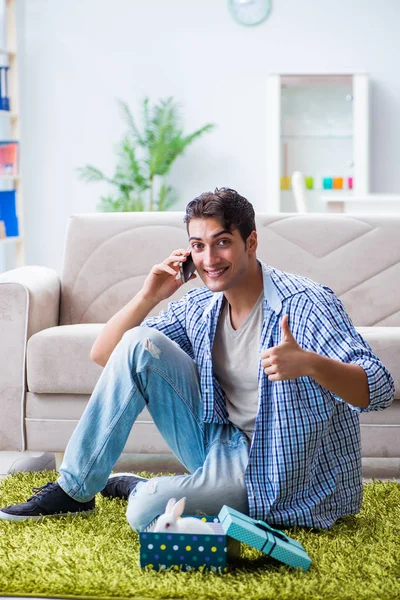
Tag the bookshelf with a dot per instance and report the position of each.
(12, 250)
(317, 124)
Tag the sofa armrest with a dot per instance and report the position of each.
(29, 302)
(30, 294)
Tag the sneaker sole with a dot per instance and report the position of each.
(6, 517)
(128, 475)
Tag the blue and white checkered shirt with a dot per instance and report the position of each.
(305, 458)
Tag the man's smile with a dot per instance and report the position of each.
(214, 273)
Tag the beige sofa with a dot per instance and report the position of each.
(49, 323)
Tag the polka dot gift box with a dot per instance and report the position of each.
(188, 551)
(213, 552)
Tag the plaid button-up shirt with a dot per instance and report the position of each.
(305, 458)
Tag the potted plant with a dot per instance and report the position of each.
(145, 156)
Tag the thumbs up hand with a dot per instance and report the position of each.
(287, 360)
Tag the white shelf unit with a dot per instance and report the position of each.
(371, 202)
(317, 124)
(11, 54)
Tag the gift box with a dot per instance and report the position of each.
(188, 551)
(215, 551)
(262, 536)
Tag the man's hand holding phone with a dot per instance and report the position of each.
(163, 279)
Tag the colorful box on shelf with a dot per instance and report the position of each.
(309, 182)
(215, 552)
(8, 212)
(8, 158)
(4, 98)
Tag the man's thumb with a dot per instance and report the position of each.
(287, 334)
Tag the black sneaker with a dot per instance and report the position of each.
(120, 485)
(49, 500)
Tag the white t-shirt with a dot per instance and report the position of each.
(235, 361)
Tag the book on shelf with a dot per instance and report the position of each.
(9, 158)
(8, 213)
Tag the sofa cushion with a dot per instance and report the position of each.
(58, 360)
(52, 418)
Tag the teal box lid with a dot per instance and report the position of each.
(263, 537)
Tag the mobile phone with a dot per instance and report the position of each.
(187, 269)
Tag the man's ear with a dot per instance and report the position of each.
(252, 242)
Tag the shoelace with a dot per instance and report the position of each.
(42, 490)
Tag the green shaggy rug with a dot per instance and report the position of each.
(98, 556)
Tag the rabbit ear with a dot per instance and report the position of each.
(179, 507)
(170, 505)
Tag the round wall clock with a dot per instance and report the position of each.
(249, 12)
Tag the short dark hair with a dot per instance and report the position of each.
(231, 209)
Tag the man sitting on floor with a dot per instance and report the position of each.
(255, 381)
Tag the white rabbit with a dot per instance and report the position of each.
(170, 522)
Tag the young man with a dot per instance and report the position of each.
(255, 381)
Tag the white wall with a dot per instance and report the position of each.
(78, 56)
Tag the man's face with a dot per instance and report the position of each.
(221, 257)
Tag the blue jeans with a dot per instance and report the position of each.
(148, 369)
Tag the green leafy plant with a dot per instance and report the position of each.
(145, 156)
